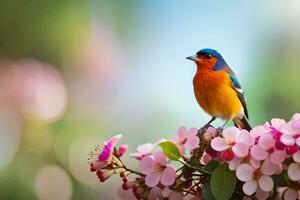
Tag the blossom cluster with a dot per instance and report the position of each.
(210, 164)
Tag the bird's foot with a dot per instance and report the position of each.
(220, 130)
(203, 129)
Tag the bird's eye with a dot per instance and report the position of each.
(208, 56)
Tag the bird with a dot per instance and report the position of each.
(217, 89)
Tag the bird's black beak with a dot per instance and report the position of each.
(191, 57)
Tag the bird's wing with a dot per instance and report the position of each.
(238, 89)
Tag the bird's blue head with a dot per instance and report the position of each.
(209, 58)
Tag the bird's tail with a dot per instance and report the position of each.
(242, 123)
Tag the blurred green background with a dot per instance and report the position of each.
(73, 73)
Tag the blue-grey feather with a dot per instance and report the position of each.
(221, 63)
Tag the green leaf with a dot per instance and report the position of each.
(170, 150)
(211, 166)
(281, 180)
(206, 192)
(222, 182)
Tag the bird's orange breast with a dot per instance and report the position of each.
(214, 93)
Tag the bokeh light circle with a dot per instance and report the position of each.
(78, 156)
(10, 134)
(52, 182)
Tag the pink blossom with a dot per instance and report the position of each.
(291, 133)
(186, 139)
(290, 194)
(108, 148)
(295, 116)
(210, 134)
(254, 179)
(105, 154)
(236, 162)
(239, 141)
(266, 147)
(143, 150)
(156, 170)
(261, 195)
(294, 171)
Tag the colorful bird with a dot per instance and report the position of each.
(218, 90)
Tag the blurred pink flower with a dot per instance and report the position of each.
(125, 194)
(186, 139)
(155, 194)
(175, 196)
(254, 179)
(156, 170)
(233, 138)
(142, 151)
(171, 194)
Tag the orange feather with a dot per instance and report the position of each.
(214, 93)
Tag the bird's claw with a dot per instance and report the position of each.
(203, 129)
(220, 130)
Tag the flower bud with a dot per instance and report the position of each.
(122, 149)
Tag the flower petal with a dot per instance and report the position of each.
(294, 172)
(234, 163)
(240, 150)
(155, 194)
(145, 148)
(181, 132)
(296, 157)
(261, 195)
(295, 116)
(218, 144)
(287, 129)
(175, 196)
(168, 176)
(258, 153)
(250, 187)
(153, 178)
(245, 137)
(192, 132)
(266, 183)
(160, 158)
(298, 141)
(146, 165)
(231, 132)
(266, 141)
(287, 139)
(258, 131)
(296, 125)
(269, 168)
(192, 142)
(277, 123)
(254, 163)
(290, 194)
(277, 157)
(244, 172)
